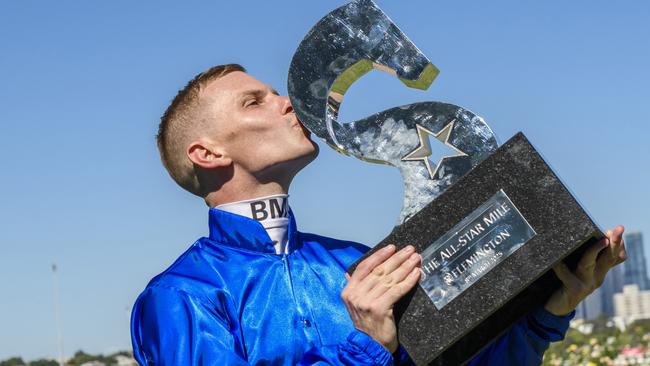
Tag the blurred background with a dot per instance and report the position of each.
(83, 85)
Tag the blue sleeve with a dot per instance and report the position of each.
(525, 342)
(169, 327)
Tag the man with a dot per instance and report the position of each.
(257, 291)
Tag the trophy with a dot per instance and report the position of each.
(490, 221)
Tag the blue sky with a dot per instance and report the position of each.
(83, 84)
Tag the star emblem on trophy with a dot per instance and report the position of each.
(423, 151)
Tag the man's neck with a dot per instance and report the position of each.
(241, 184)
(233, 193)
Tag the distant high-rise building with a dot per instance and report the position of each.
(635, 265)
(632, 304)
(613, 284)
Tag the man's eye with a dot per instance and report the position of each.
(253, 102)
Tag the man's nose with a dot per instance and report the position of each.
(286, 105)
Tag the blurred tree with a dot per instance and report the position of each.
(81, 357)
(14, 361)
(44, 362)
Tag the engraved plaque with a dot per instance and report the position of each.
(474, 246)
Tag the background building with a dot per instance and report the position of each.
(591, 307)
(613, 284)
(635, 265)
(632, 304)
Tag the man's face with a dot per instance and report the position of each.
(257, 128)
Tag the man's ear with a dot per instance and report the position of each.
(207, 155)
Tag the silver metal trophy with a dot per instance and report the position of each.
(342, 47)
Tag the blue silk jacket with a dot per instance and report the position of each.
(230, 300)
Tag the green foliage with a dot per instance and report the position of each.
(602, 347)
(14, 361)
(44, 362)
(79, 358)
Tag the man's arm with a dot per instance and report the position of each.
(526, 342)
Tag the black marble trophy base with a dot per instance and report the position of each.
(514, 287)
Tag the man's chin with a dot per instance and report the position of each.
(309, 156)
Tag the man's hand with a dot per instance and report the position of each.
(378, 282)
(589, 274)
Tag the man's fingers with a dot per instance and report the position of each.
(616, 235)
(616, 242)
(383, 272)
(603, 265)
(395, 261)
(622, 254)
(396, 292)
(368, 264)
(615, 254)
(400, 274)
(589, 274)
(565, 275)
(588, 261)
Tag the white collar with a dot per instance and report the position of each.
(271, 211)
